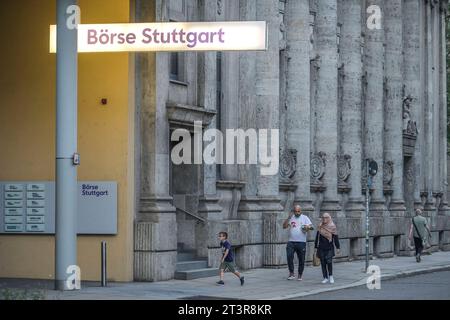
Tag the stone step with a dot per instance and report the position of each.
(186, 256)
(191, 265)
(196, 274)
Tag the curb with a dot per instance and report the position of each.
(397, 275)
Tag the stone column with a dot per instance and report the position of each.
(413, 102)
(298, 96)
(267, 117)
(373, 104)
(443, 106)
(430, 90)
(155, 242)
(206, 96)
(351, 129)
(436, 99)
(393, 126)
(248, 206)
(326, 135)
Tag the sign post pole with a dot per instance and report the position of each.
(66, 146)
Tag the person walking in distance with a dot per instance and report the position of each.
(417, 230)
(298, 225)
(326, 240)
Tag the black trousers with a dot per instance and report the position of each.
(300, 249)
(326, 262)
(419, 245)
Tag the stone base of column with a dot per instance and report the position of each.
(209, 208)
(155, 240)
(397, 205)
(355, 207)
(249, 208)
(306, 204)
(330, 206)
(274, 248)
(377, 205)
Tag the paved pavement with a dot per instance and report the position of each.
(267, 284)
(430, 286)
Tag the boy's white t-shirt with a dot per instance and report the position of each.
(295, 231)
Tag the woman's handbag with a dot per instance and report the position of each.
(316, 259)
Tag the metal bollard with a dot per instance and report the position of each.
(103, 264)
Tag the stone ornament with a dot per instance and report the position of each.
(409, 126)
(318, 167)
(288, 163)
(219, 7)
(388, 172)
(344, 168)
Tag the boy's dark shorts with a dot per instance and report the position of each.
(228, 266)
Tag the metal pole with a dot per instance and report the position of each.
(103, 271)
(66, 146)
(367, 213)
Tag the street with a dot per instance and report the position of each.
(431, 286)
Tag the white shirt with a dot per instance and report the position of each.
(295, 230)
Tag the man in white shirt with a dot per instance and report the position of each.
(298, 225)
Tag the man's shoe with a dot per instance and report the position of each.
(220, 283)
(331, 279)
(299, 278)
(291, 277)
(242, 280)
(417, 258)
(420, 258)
(325, 280)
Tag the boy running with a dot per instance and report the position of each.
(227, 261)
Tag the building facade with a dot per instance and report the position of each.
(342, 80)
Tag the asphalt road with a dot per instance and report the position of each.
(430, 286)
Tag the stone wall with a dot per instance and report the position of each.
(339, 92)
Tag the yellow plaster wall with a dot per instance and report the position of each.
(27, 131)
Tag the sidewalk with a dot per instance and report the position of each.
(269, 284)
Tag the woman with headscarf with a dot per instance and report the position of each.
(326, 240)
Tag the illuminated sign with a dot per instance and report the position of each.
(171, 36)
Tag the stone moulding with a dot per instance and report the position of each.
(183, 116)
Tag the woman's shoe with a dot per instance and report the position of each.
(325, 280)
(331, 279)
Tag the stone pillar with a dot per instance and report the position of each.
(298, 96)
(267, 117)
(436, 99)
(206, 96)
(326, 135)
(430, 90)
(351, 129)
(155, 242)
(248, 206)
(393, 126)
(443, 106)
(230, 74)
(413, 102)
(373, 104)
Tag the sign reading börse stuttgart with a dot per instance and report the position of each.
(170, 36)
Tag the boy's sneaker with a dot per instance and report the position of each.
(331, 279)
(325, 280)
(242, 280)
(291, 277)
(220, 283)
